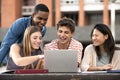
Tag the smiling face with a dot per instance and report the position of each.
(64, 35)
(36, 39)
(98, 38)
(40, 18)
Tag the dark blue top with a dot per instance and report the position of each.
(12, 66)
(15, 35)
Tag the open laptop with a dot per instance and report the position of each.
(61, 60)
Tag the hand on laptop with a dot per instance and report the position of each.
(41, 56)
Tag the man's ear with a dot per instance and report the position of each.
(72, 34)
(33, 14)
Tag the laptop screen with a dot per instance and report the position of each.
(61, 60)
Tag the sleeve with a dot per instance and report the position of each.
(115, 60)
(13, 34)
(86, 59)
(80, 48)
(47, 47)
(51, 46)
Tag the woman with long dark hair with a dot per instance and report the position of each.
(102, 54)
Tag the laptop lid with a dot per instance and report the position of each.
(61, 60)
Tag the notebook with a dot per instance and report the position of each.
(113, 71)
(27, 71)
(30, 71)
(61, 60)
(107, 71)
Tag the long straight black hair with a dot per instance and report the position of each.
(109, 44)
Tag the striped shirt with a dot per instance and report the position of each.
(74, 45)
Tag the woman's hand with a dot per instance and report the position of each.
(107, 67)
(40, 64)
(100, 68)
(41, 56)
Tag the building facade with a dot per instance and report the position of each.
(84, 12)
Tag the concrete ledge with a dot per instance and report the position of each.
(82, 34)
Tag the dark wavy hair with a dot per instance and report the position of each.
(68, 22)
(109, 44)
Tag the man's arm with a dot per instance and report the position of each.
(13, 34)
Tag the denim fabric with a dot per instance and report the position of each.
(15, 35)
